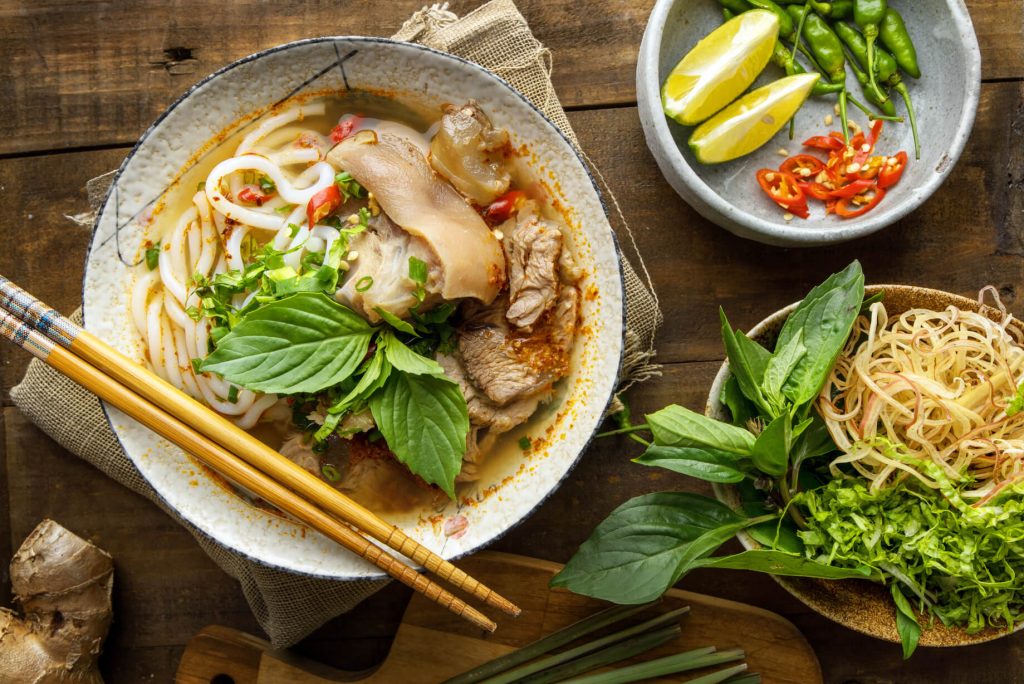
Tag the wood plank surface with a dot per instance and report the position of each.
(91, 73)
(427, 638)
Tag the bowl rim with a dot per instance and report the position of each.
(795, 585)
(375, 574)
(709, 204)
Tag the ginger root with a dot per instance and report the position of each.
(62, 584)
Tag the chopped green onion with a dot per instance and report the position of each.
(153, 257)
(285, 208)
(680, 662)
(364, 284)
(549, 643)
(233, 394)
(293, 229)
(524, 443)
(201, 185)
(635, 640)
(331, 473)
(613, 654)
(267, 185)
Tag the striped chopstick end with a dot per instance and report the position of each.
(25, 336)
(36, 314)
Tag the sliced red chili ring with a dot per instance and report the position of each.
(501, 209)
(253, 195)
(783, 189)
(842, 206)
(852, 189)
(345, 128)
(323, 203)
(798, 164)
(825, 142)
(891, 173)
(816, 190)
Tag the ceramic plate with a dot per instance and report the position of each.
(945, 99)
(512, 486)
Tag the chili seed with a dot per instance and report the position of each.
(865, 148)
(770, 177)
(498, 235)
(805, 172)
(352, 256)
(787, 216)
(853, 168)
(828, 119)
(783, 152)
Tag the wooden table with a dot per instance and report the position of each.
(81, 81)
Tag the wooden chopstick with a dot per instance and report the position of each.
(155, 389)
(225, 463)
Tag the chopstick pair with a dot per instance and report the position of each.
(231, 451)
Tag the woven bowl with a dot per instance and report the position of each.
(512, 486)
(861, 605)
(945, 98)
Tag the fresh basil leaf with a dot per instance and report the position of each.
(394, 321)
(906, 622)
(707, 464)
(375, 374)
(639, 551)
(747, 361)
(678, 426)
(301, 344)
(814, 441)
(425, 422)
(771, 449)
(741, 409)
(781, 563)
(826, 316)
(778, 368)
(777, 534)
(408, 361)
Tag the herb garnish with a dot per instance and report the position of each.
(153, 256)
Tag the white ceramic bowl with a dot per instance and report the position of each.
(511, 487)
(945, 99)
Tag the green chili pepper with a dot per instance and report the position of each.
(868, 14)
(735, 6)
(893, 33)
(858, 47)
(827, 50)
(887, 72)
(886, 105)
(785, 21)
(837, 9)
(781, 57)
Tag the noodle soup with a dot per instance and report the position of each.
(385, 295)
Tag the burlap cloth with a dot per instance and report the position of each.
(289, 606)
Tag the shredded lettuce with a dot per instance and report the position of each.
(963, 564)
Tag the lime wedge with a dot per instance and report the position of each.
(750, 121)
(720, 67)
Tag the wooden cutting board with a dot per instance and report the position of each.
(432, 645)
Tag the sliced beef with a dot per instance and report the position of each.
(532, 247)
(471, 153)
(509, 365)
